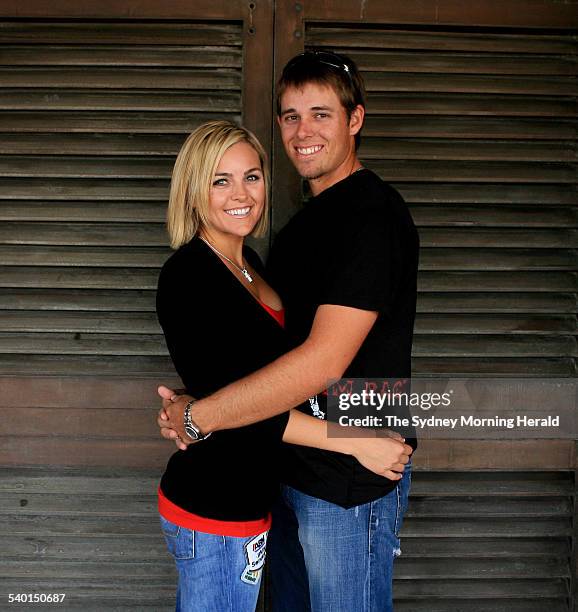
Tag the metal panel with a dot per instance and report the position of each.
(94, 112)
(512, 557)
(478, 131)
(94, 160)
(472, 116)
(483, 541)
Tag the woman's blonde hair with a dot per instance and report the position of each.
(193, 177)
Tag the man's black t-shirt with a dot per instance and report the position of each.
(355, 245)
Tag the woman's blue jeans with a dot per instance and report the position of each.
(216, 573)
(324, 558)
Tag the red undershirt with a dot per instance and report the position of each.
(278, 315)
(241, 529)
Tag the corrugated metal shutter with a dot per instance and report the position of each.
(480, 542)
(498, 545)
(477, 129)
(478, 132)
(93, 115)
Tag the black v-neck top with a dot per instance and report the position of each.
(216, 333)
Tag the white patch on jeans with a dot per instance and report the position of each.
(255, 552)
(250, 576)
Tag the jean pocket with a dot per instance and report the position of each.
(180, 540)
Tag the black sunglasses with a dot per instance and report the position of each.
(323, 57)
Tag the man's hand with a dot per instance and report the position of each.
(170, 419)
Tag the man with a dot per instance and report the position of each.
(345, 267)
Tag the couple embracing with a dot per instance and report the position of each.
(256, 347)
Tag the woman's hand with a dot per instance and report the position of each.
(384, 456)
(383, 451)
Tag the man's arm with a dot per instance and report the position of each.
(336, 336)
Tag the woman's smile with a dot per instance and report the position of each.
(239, 212)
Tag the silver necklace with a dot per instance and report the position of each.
(243, 271)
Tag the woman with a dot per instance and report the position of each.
(215, 497)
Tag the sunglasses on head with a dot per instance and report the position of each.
(322, 57)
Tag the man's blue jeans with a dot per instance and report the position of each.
(324, 558)
(213, 570)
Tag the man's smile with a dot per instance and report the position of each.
(311, 150)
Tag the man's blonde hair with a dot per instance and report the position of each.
(193, 177)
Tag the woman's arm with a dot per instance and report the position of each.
(383, 456)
